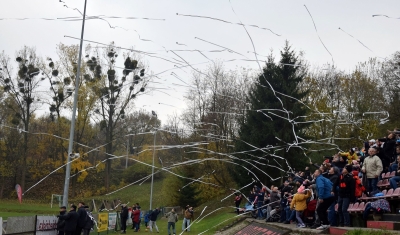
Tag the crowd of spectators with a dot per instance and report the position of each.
(310, 196)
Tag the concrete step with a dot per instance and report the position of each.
(389, 225)
(343, 230)
(337, 230)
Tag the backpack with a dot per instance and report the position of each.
(359, 188)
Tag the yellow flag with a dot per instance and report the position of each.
(103, 222)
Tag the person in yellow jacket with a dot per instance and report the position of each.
(350, 155)
(299, 203)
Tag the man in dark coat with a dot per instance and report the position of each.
(124, 217)
(82, 218)
(71, 221)
(346, 185)
(60, 222)
(89, 221)
(153, 217)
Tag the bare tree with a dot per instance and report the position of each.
(22, 88)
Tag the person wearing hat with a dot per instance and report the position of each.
(71, 221)
(372, 168)
(299, 203)
(346, 185)
(124, 217)
(61, 223)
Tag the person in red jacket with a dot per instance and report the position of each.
(135, 218)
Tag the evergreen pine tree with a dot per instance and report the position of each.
(266, 125)
(188, 194)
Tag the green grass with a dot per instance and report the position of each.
(13, 208)
(210, 223)
(368, 232)
(136, 194)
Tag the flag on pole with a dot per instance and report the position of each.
(19, 192)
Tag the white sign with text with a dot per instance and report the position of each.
(46, 225)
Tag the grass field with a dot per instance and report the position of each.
(209, 225)
(133, 194)
(137, 194)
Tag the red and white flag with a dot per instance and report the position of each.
(19, 192)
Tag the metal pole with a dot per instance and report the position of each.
(152, 171)
(72, 129)
(127, 153)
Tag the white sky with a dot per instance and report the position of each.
(287, 18)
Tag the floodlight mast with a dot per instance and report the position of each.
(72, 129)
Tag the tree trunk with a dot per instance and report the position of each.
(25, 153)
(109, 148)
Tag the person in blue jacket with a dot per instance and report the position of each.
(325, 198)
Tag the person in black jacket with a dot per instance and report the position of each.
(333, 177)
(346, 184)
(71, 221)
(389, 150)
(153, 217)
(89, 222)
(82, 218)
(60, 222)
(124, 217)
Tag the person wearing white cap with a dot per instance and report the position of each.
(372, 168)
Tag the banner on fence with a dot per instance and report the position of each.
(21, 224)
(102, 223)
(46, 225)
(112, 220)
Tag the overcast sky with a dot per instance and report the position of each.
(289, 19)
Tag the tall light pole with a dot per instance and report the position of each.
(152, 169)
(72, 129)
(127, 150)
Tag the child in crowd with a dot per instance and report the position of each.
(299, 203)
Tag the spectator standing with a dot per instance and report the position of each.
(251, 196)
(71, 221)
(124, 217)
(238, 200)
(274, 200)
(141, 214)
(339, 162)
(324, 188)
(350, 155)
(260, 202)
(346, 184)
(389, 149)
(82, 216)
(135, 218)
(394, 165)
(153, 217)
(299, 203)
(187, 218)
(372, 168)
(285, 188)
(60, 222)
(172, 219)
(333, 177)
(89, 221)
(393, 181)
(147, 218)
